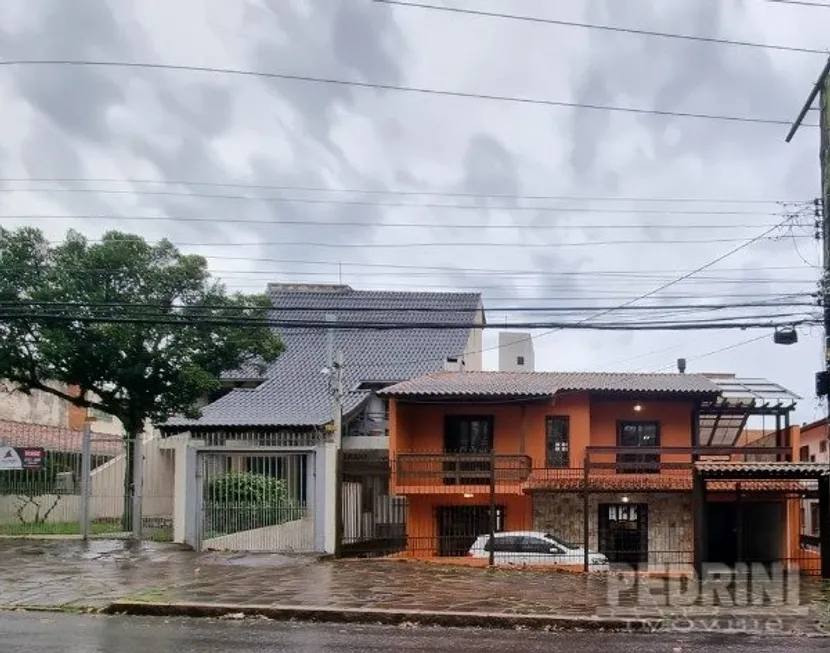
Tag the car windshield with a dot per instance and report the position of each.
(561, 542)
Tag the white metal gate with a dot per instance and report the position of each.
(256, 501)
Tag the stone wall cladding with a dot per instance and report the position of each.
(670, 527)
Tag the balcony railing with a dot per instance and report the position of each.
(604, 468)
(644, 460)
(461, 469)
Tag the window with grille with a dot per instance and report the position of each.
(557, 442)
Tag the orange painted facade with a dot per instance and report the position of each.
(416, 446)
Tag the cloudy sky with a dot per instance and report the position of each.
(441, 157)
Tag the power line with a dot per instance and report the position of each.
(679, 279)
(418, 205)
(802, 3)
(384, 225)
(390, 326)
(394, 191)
(595, 26)
(415, 90)
(468, 244)
(334, 307)
(719, 350)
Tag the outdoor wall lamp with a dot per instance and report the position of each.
(467, 495)
(625, 499)
(638, 408)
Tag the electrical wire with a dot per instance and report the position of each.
(415, 205)
(413, 90)
(599, 27)
(336, 307)
(384, 225)
(801, 3)
(475, 244)
(394, 191)
(718, 351)
(44, 317)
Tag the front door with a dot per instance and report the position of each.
(623, 532)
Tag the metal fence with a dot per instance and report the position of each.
(498, 509)
(52, 482)
(257, 501)
(373, 520)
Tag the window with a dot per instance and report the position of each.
(814, 525)
(520, 360)
(538, 546)
(638, 434)
(557, 442)
(509, 544)
(812, 458)
(804, 454)
(465, 434)
(822, 446)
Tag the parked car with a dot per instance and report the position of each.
(535, 548)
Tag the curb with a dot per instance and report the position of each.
(384, 616)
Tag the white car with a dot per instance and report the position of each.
(535, 548)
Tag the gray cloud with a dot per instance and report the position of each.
(138, 124)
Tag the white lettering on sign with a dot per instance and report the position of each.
(9, 459)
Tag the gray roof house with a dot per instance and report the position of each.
(293, 392)
(274, 423)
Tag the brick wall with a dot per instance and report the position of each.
(670, 527)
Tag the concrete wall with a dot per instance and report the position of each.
(670, 527)
(472, 353)
(47, 409)
(37, 408)
(512, 347)
(295, 536)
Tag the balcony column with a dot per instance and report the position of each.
(699, 516)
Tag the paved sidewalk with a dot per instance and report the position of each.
(69, 574)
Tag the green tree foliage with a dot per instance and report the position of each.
(240, 501)
(156, 357)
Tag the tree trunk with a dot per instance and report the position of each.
(129, 485)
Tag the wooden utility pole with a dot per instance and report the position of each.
(821, 90)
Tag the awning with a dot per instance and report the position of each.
(762, 471)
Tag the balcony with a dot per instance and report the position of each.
(646, 469)
(452, 473)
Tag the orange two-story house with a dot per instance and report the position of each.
(643, 468)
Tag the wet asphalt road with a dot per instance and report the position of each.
(53, 633)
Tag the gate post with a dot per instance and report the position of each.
(86, 479)
(193, 517)
(824, 524)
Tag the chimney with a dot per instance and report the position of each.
(681, 365)
(453, 364)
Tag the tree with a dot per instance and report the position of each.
(140, 328)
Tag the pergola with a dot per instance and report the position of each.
(722, 419)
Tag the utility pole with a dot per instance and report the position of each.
(335, 376)
(821, 89)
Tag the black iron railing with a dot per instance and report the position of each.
(461, 468)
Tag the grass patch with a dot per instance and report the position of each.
(60, 528)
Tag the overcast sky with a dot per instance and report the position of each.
(132, 124)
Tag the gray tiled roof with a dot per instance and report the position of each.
(494, 384)
(295, 392)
